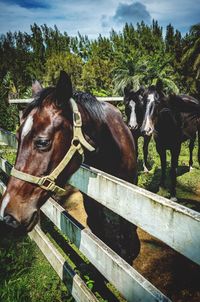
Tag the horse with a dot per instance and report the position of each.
(57, 130)
(135, 110)
(173, 120)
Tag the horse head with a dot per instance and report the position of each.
(45, 136)
(134, 107)
(153, 102)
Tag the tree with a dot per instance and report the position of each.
(129, 71)
(191, 59)
(67, 61)
(8, 113)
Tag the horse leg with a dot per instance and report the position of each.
(119, 234)
(174, 164)
(191, 148)
(145, 152)
(162, 153)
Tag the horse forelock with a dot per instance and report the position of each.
(38, 100)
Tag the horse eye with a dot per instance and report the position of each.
(42, 144)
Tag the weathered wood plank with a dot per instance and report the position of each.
(132, 285)
(126, 279)
(174, 224)
(2, 187)
(8, 138)
(73, 282)
(101, 99)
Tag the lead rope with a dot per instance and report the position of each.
(77, 144)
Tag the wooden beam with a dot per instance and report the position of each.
(174, 224)
(8, 138)
(101, 99)
(73, 282)
(132, 285)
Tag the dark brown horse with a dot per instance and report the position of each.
(172, 120)
(135, 110)
(54, 133)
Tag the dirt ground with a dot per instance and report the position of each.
(173, 274)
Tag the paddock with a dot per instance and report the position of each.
(173, 224)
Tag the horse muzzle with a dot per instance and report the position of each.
(133, 128)
(147, 132)
(20, 227)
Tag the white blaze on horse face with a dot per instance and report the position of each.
(133, 119)
(4, 204)
(27, 126)
(148, 126)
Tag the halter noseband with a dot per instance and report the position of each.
(78, 142)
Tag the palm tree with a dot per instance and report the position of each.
(191, 55)
(160, 69)
(129, 71)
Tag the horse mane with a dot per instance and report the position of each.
(89, 102)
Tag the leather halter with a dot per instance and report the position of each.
(78, 142)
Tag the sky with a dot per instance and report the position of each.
(94, 17)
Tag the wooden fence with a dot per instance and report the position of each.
(101, 99)
(176, 225)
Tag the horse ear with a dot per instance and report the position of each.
(36, 88)
(127, 89)
(159, 85)
(141, 90)
(63, 88)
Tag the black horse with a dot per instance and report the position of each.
(135, 111)
(172, 120)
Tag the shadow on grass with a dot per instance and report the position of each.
(175, 275)
(182, 170)
(190, 203)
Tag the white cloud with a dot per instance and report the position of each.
(94, 17)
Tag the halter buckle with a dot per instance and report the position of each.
(47, 184)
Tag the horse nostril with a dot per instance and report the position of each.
(11, 221)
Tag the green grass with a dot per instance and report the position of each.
(25, 275)
(188, 184)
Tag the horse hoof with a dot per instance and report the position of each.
(173, 198)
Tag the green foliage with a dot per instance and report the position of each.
(25, 275)
(139, 55)
(67, 61)
(8, 113)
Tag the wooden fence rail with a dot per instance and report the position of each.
(101, 99)
(124, 277)
(176, 225)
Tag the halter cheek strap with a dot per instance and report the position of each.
(78, 142)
